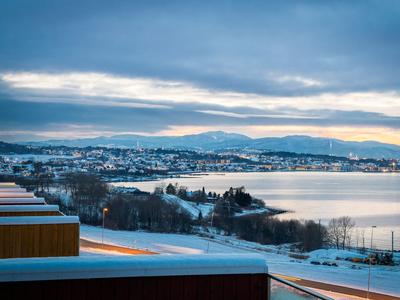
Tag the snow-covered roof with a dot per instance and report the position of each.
(16, 195)
(13, 190)
(22, 208)
(38, 220)
(22, 200)
(8, 185)
(84, 267)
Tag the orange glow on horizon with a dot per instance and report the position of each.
(356, 134)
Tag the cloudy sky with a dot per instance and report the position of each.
(73, 69)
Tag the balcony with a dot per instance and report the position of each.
(203, 276)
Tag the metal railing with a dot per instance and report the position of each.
(284, 289)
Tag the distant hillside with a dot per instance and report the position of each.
(220, 140)
(306, 144)
(207, 140)
(7, 148)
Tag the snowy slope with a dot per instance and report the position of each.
(383, 280)
(192, 211)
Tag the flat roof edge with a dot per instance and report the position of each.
(28, 208)
(38, 220)
(34, 269)
(17, 195)
(12, 201)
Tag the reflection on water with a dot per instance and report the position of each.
(369, 198)
(285, 290)
(279, 291)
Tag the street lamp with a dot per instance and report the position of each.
(370, 259)
(102, 235)
(212, 217)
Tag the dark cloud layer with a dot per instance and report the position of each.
(60, 116)
(259, 47)
(243, 46)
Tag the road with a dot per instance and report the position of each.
(336, 288)
(94, 245)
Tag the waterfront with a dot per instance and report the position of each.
(369, 198)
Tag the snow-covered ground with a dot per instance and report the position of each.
(384, 279)
(184, 205)
(331, 254)
(193, 209)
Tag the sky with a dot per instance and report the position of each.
(78, 69)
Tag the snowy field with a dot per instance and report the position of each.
(384, 279)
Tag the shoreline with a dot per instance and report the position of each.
(186, 175)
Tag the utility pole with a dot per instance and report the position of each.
(319, 230)
(370, 260)
(392, 244)
(363, 243)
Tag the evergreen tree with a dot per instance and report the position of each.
(170, 189)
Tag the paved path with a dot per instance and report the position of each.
(337, 288)
(95, 245)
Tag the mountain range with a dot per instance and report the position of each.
(221, 140)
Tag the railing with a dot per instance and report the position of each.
(281, 289)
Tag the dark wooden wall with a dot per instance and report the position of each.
(44, 240)
(193, 287)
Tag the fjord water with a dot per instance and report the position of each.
(368, 198)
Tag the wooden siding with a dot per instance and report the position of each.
(29, 213)
(43, 240)
(192, 287)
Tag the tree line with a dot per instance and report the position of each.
(269, 230)
(88, 195)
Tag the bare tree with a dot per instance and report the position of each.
(159, 188)
(182, 192)
(339, 231)
(334, 234)
(346, 226)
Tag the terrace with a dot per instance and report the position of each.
(40, 251)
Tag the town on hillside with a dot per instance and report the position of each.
(144, 164)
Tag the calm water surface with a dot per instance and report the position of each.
(369, 198)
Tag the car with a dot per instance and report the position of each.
(314, 262)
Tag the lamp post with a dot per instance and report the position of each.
(102, 234)
(370, 259)
(208, 246)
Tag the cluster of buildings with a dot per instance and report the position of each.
(145, 163)
(329, 163)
